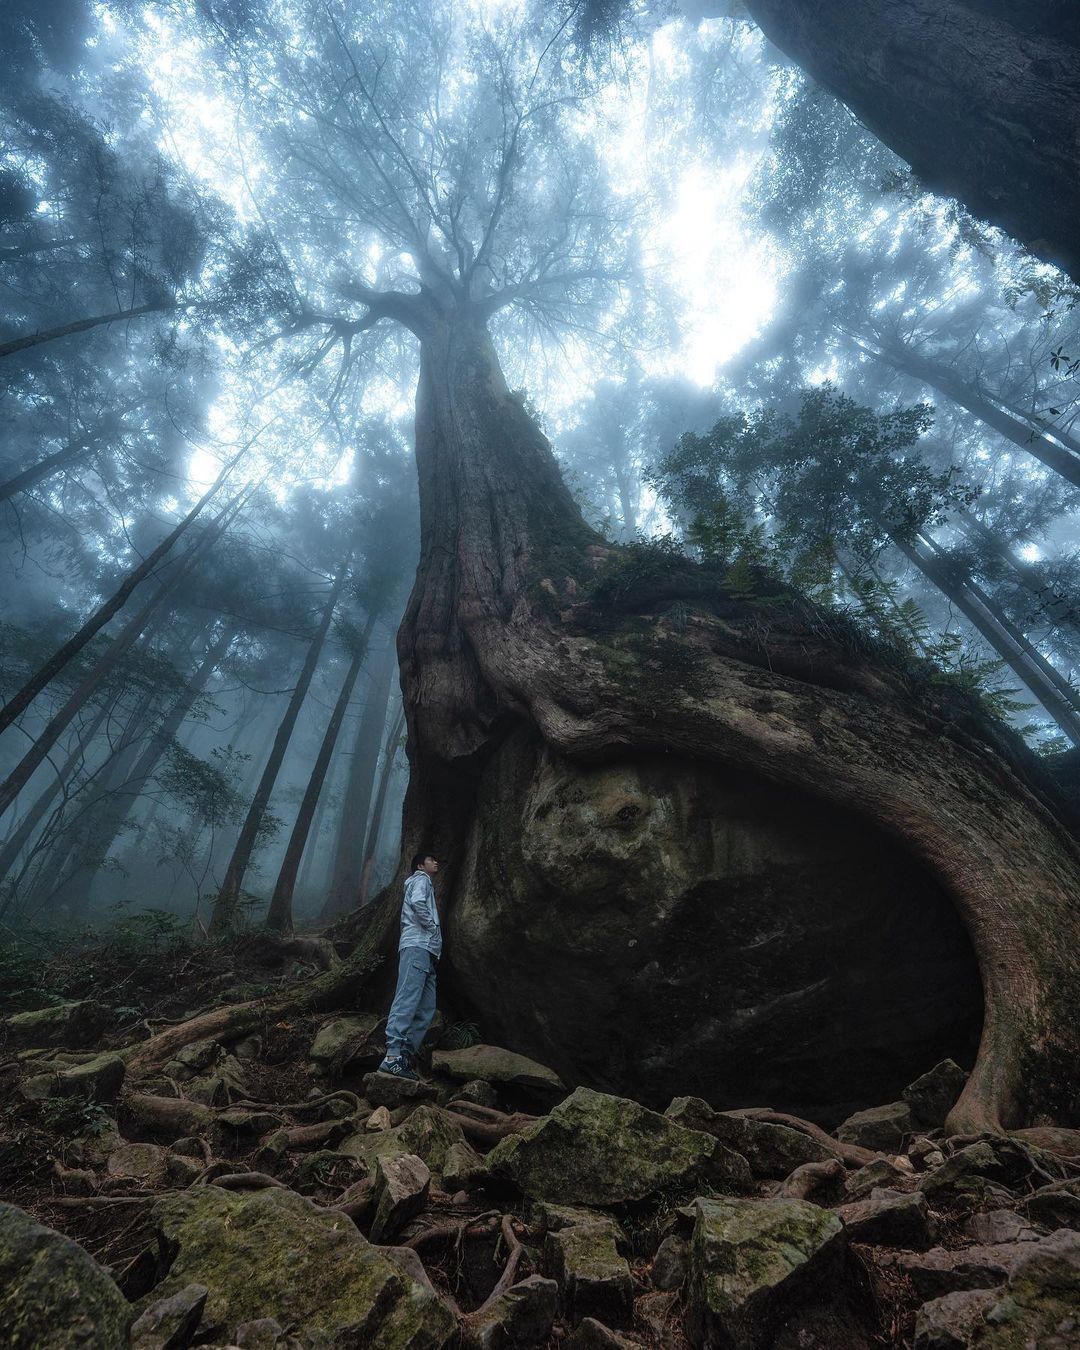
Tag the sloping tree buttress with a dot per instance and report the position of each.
(496, 636)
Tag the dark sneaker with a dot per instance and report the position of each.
(398, 1068)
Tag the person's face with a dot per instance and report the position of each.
(430, 866)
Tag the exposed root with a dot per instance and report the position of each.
(247, 1181)
(851, 1154)
(490, 1131)
(810, 1179)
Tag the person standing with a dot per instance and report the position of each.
(419, 948)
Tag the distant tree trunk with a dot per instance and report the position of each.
(279, 916)
(1028, 665)
(940, 377)
(349, 851)
(1061, 610)
(128, 777)
(229, 896)
(371, 843)
(19, 702)
(980, 97)
(110, 659)
(23, 832)
(71, 453)
(20, 344)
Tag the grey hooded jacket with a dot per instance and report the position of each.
(419, 916)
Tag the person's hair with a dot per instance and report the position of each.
(418, 858)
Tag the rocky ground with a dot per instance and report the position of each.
(272, 1192)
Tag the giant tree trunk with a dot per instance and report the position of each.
(497, 647)
(980, 97)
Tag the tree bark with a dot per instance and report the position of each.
(279, 916)
(59, 459)
(483, 649)
(980, 97)
(349, 851)
(229, 896)
(1060, 610)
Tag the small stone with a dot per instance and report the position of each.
(521, 1316)
(146, 1162)
(932, 1096)
(357, 1041)
(999, 1225)
(378, 1120)
(249, 1048)
(462, 1167)
(594, 1280)
(401, 1191)
(889, 1219)
(478, 1092)
(593, 1335)
(170, 1323)
(920, 1148)
(428, 1131)
(950, 1322)
(881, 1127)
(669, 1263)
(261, 1334)
(190, 1147)
(182, 1170)
(880, 1172)
(383, 1089)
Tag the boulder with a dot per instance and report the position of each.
(593, 1279)
(881, 1127)
(1063, 1143)
(462, 1167)
(773, 1151)
(383, 1089)
(48, 1281)
(752, 1264)
(401, 1190)
(522, 1315)
(934, 1094)
(345, 1040)
(595, 1149)
(493, 1064)
(691, 916)
(889, 1219)
(478, 1091)
(272, 1253)
(97, 1079)
(70, 1025)
(979, 1173)
(169, 1323)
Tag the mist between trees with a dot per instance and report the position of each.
(233, 238)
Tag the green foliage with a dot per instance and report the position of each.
(69, 1116)
(637, 568)
(205, 788)
(459, 1036)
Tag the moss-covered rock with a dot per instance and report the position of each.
(772, 1150)
(53, 1293)
(594, 1149)
(97, 1079)
(881, 1127)
(429, 1132)
(521, 1316)
(495, 1065)
(274, 1254)
(342, 1040)
(73, 1024)
(1041, 1303)
(752, 1263)
(593, 1279)
(934, 1094)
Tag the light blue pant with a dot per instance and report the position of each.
(413, 1007)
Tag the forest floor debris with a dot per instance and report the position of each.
(535, 1215)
